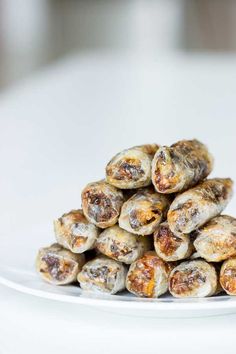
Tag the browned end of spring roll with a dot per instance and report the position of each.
(57, 265)
(180, 166)
(228, 276)
(195, 278)
(148, 276)
(102, 203)
(143, 212)
(171, 247)
(131, 168)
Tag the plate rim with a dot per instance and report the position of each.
(112, 301)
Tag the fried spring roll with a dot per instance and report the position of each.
(180, 166)
(228, 276)
(171, 247)
(216, 240)
(148, 276)
(143, 212)
(195, 278)
(102, 203)
(196, 206)
(131, 168)
(103, 275)
(121, 245)
(75, 232)
(57, 265)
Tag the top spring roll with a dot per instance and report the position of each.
(131, 168)
(196, 206)
(180, 166)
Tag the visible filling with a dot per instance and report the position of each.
(102, 277)
(142, 277)
(183, 213)
(100, 206)
(167, 241)
(165, 173)
(57, 268)
(128, 169)
(228, 280)
(139, 218)
(119, 249)
(78, 241)
(186, 281)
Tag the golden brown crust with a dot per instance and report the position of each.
(196, 206)
(195, 278)
(121, 245)
(75, 232)
(57, 265)
(216, 240)
(102, 203)
(131, 168)
(147, 277)
(228, 276)
(180, 166)
(169, 246)
(142, 213)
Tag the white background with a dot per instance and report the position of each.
(57, 132)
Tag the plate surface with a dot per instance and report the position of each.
(60, 129)
(27, 281)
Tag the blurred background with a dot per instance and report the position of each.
(35, 33)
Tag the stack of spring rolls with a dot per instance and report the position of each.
(153, 225)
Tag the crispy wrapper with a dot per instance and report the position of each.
(216, 240)
(228, 276)
(75, 232)
(196, 206)
(143, 212)
(121, 245)
(169, 246)
(103, 275)
(148, 276)
(102, 203)
(194, 278)
(131, 168)
(180, 166)
(57, 265)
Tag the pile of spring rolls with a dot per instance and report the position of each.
(153, 225)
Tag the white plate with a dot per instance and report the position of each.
(59, 130)
(27, 281)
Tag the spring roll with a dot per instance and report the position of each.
(103, 275)
(102, 203)
(196, 206)
(180, 166)
(131, 168)
(171, 247)
(121, 245)
(195, 278)
(228, 276)
(216, 240)
(75, 232)
(57, 265)
(148, 276)
(143, 212)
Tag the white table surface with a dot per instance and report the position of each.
(57, 131)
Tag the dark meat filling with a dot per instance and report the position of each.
(139, 219)
(130, 169)
(186, 281)
(53, 267)
(100, 207)
(167, 241)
